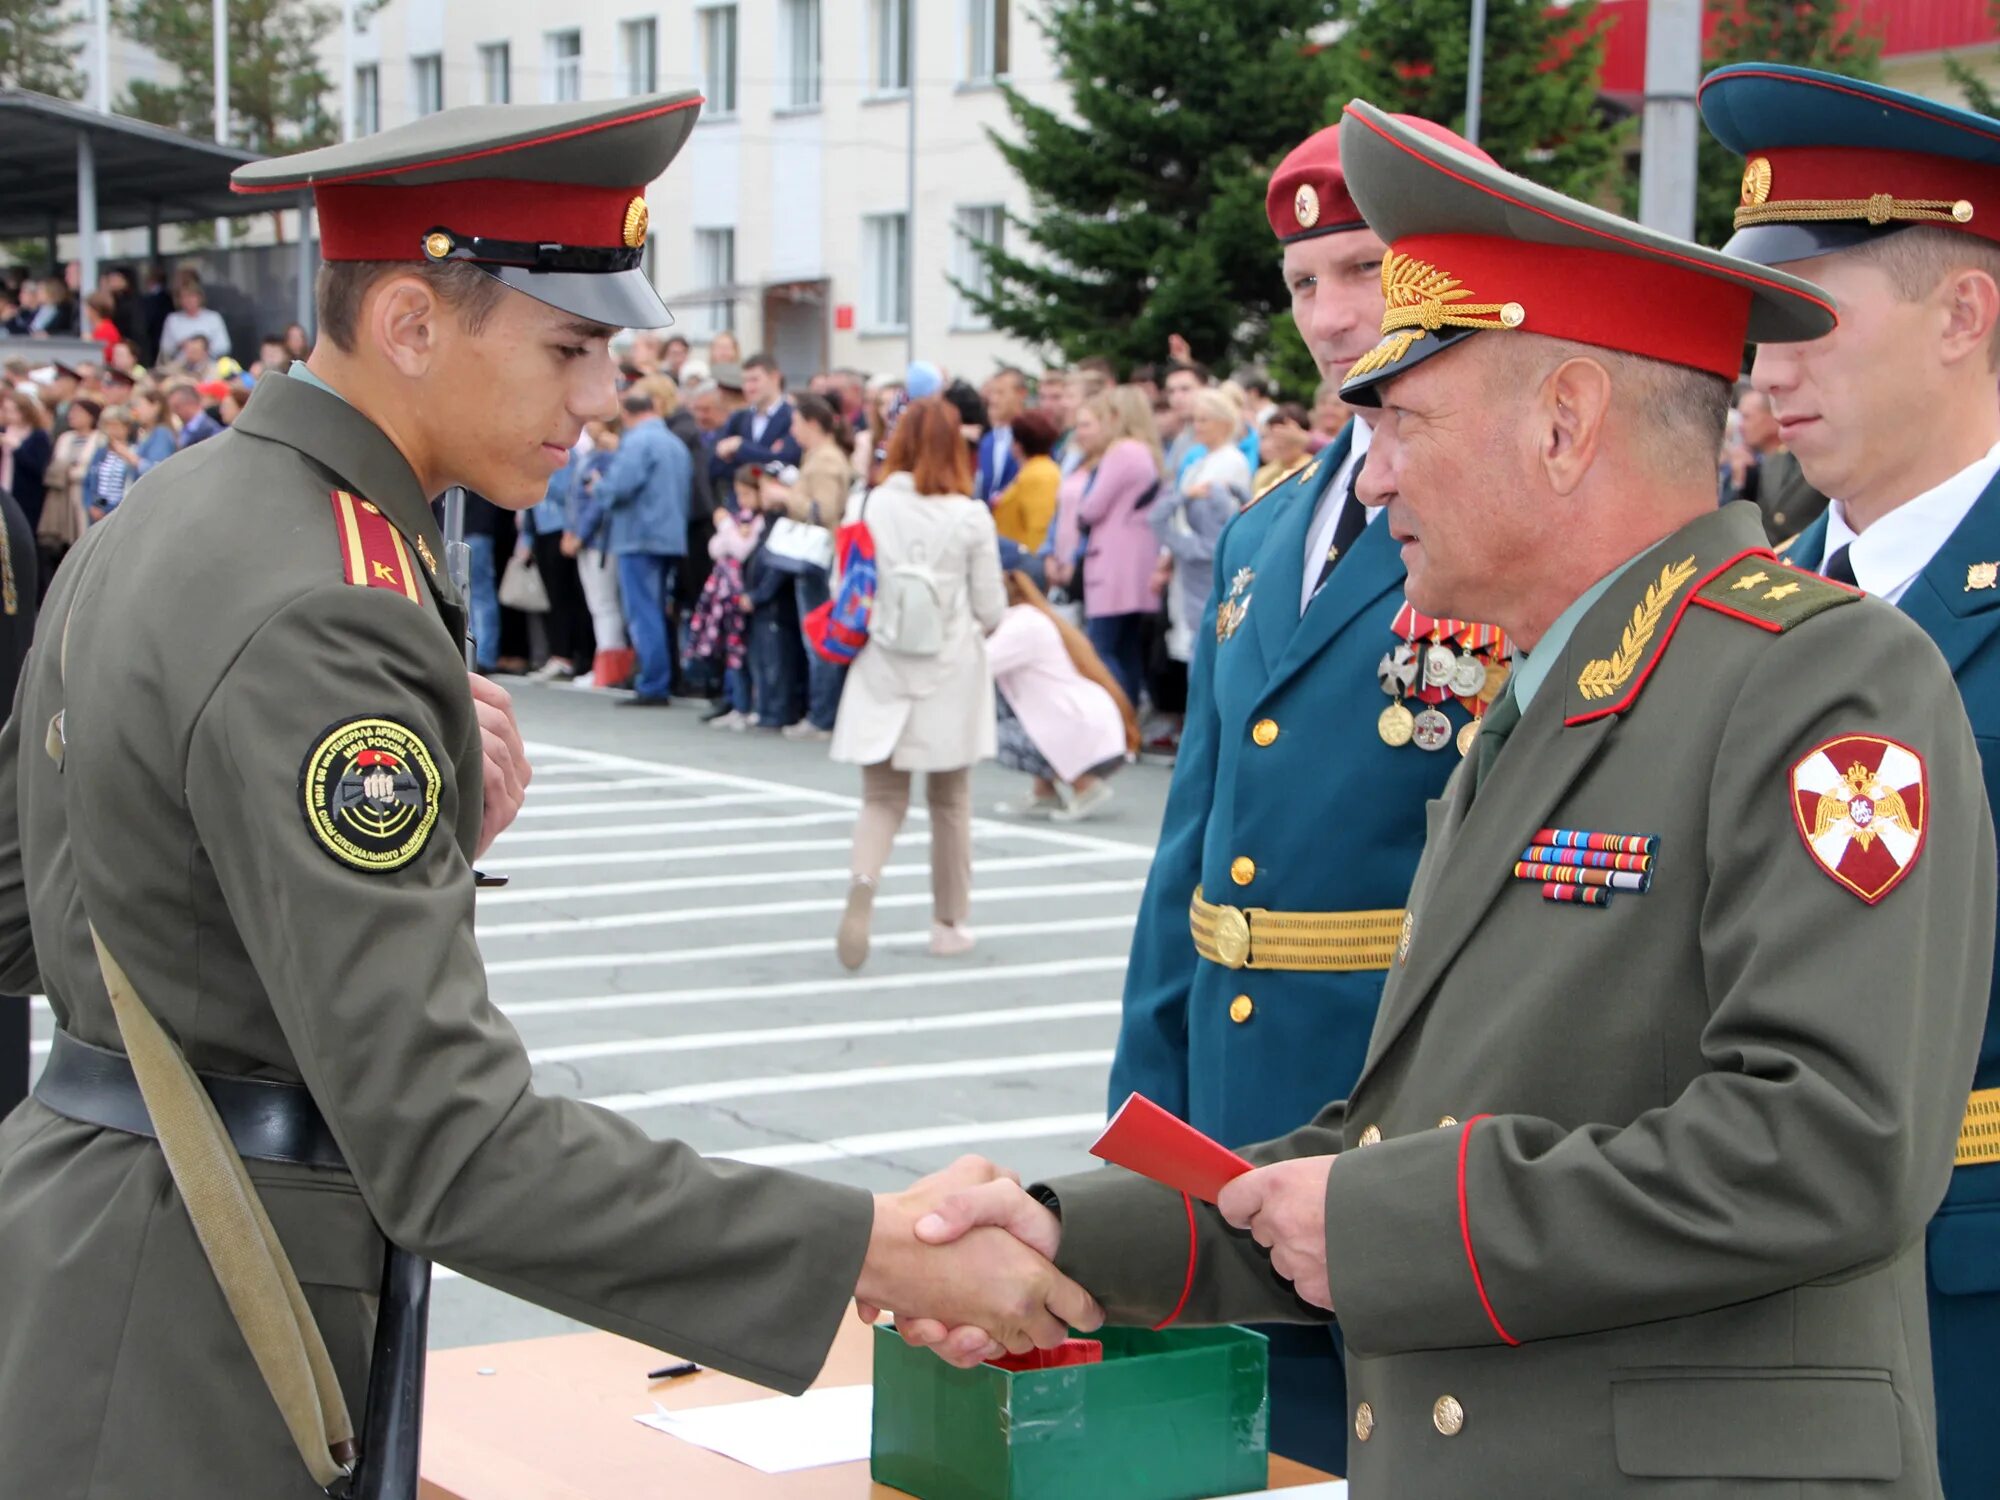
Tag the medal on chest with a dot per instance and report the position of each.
(1439, 659)
(1230, 612)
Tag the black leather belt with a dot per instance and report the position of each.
(267, 1121)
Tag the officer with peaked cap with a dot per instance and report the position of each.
(1892, 203)
(246, 793)
(1628, 1197)
(1272, 910)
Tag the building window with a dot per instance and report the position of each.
(496, 67)
(975, 225)
(889, 46)
(426, 84)
(802, 58)
(715, 266)
(718, 59)
(986, 36)
(367, 99)
(885, 271)
(563, 52)
(639, 42)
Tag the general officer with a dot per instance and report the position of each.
(1296, 814)
(1892, 203)
(1629, 1196)
(246, 777)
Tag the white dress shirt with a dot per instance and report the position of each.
(1889, 555)
(1326, 516)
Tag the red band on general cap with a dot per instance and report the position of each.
(1602, 297)
(1839, 174)
(362, 222)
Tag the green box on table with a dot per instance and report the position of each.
(1176, 1415)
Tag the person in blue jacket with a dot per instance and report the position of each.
(1296, 814)
(760, 431)
(1891, 202)
(646, 492)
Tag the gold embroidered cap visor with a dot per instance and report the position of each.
(1833, 162)
(548, 199)
(1474, 248)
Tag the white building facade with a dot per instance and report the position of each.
(798, 216)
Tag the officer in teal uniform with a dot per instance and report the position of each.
(1296, 815)
(1892, 203)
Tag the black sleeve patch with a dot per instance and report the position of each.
(369, 791)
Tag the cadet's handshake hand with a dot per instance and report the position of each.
(958, 1252)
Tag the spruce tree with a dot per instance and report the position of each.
(35, 50)
(1147, 193)
(279, 94)
(1824, 34)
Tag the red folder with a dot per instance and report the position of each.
(1144, 1138)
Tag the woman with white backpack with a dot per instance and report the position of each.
(919, 696)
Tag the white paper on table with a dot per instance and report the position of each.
(1333, 1489)
(830, 1426)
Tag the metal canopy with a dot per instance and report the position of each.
(145, 174)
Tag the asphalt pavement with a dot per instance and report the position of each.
(665, 946)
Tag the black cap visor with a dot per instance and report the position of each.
(1361, 390)
(617, 299)
(1779, 244)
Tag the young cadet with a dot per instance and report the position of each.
(1297, 809)
(1628, 1199)
(1892, 203)
(246, 791)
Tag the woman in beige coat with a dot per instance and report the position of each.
(919, 697)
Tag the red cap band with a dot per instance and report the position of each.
(1612, 300)
(1823, 174)
(360, 221)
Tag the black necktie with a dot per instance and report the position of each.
(1353, 519)
(1839, 569)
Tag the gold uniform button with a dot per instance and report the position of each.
(1372, 1136)
(1364, 1421)
(1264, 731)
(1240, 1009)
(1242, 869)
(1448, 1416)
(1445, 1122)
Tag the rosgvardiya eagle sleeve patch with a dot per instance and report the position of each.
(369, 790)
(1861, 805)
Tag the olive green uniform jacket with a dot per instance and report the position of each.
(214, 638)
(1631, 1200)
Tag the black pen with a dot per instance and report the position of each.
(670, 1372)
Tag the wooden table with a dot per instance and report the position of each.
(554, 1422)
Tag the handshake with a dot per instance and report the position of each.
(966, 1258)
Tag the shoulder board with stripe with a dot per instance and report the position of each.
(372, 554)
(1772, 595)
(1304, 470)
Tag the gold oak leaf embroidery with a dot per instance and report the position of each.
(1600, 679)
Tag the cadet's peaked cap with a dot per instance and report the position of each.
(1472, 247)
(547, 198)
(1308, 193)
(1834, 162)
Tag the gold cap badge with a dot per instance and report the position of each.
(437, 244)
(637, 217)
(1305, 205)
(1756, 180)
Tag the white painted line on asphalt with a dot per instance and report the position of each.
(763, 909)
(772, 1036)
(841, 873)
(815, 988)
(571, 788)
(634, 830)
(655, 804)
(777, 947)
(612, 762)
(665, 853)
(808, 1083)
(805, 1153)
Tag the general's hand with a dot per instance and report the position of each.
(928, 1192)
(999, 1204)
(989, 1279)
(506, 759)
(1284, 1208)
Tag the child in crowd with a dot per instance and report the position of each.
(777, 649)
(719, 630)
